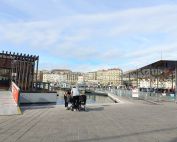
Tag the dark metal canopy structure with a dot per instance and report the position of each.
(18, 67)
(160, 70)
(156, 69)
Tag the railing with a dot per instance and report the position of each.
(157, 97)
(148, 96)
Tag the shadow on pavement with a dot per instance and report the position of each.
(94, 109)
(36, 106)
(174, 140)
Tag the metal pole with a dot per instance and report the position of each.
(26, 76)
(121, 77)
(176, 80)
(128, 79)
(150, 77)
(16, 71)
(23, 73)
(20, 75)
(37, 68)
(172, 81)
(137, 78)
(157, 78)
(32, 77)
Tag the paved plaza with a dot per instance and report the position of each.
(137, 121)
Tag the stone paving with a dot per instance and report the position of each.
(132, 122)
(7, 104)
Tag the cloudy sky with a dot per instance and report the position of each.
(86, 35)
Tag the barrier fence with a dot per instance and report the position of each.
(148, 96)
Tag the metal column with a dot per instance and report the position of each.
(129, 80)
(157, 78)
(172, 77)
(37, 68)
(150, 77)
(137, 78)
(176, 80)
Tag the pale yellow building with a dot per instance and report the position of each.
(72, 77)
(61, 71)
(110, 77)
(54, 78)
(61, 75)
(90, 77)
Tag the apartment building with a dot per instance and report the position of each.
(110, 77)
(90, 77)
(53, 78)
(61, 71)
(72, 77)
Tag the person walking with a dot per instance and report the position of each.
(69, 99)
(75, 95)
(66, 99)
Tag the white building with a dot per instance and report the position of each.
(54, 78)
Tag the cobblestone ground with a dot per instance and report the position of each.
(134, 122)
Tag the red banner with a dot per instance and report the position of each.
(15, 92)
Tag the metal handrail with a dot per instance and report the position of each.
(149, 96)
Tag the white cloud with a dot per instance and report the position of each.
(131, 21)
(146, 20)
(156, 49)
(64, 37)
(36, 34)
(144, 57)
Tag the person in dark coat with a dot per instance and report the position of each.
(66, 99)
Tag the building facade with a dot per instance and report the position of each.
(57, 76)
(72, 77)
(90, 77)
(103, 77)
(60, 71)
(109, 77)
(54, 78)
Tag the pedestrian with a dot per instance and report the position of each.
(66, 99)
(75, 95)
(69, 100)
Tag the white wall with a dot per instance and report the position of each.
(38, 97)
